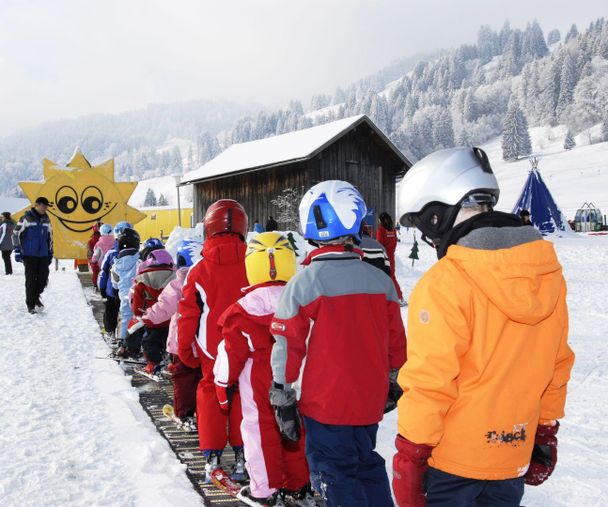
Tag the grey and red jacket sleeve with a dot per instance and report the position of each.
(291, 323)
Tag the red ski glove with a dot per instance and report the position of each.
(135, 324)
(544, 455)
(222, 397)
(409, 467)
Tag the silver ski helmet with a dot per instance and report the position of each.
(435, 189)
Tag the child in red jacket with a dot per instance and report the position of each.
(386, 235)
(153, 276)
(212, 285)
(276, 466)
(356, 339)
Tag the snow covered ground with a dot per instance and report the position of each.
(73, 432)
(580, 475)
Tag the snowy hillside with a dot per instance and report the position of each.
(573, 177)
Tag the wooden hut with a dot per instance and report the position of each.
(254, 173)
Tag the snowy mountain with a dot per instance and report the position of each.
(150, 142)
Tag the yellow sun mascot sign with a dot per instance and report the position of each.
(81, 195)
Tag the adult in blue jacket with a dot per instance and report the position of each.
(33, 242)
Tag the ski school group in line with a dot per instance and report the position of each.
(294, 368)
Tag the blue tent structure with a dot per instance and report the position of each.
(536, 198)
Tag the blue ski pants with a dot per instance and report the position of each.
(447, 490)
(344, 467)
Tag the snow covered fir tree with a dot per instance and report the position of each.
(569, 141)
(516, 142)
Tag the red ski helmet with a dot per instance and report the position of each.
(226, 216)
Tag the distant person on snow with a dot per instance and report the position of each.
(33, 243)
(271, 224)
(7, 227)
(386, 235)
(524, 214)
(277, 467)
(257, 227)
(357, 337)
(212, 285)
(488, 355)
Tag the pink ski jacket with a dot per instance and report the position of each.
(166, 308)
(104, 243)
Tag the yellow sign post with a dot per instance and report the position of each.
(81, 195)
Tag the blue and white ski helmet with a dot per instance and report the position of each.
(188, 252)
(153, 243)
(120, 226)
(331, 209)
(105, 230)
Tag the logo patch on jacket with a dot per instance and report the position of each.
(277, 326)
(424, 316)
(508, 437)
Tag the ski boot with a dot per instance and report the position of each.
(239, 473)
(213, 462)
(152, 368)
(302, 497)
(273, 500)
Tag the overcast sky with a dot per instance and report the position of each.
(64, 58)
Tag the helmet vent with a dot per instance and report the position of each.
(229, 224)
(484, 161)
(273, 266)
(320, 222)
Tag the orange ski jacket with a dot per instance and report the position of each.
(488, 356)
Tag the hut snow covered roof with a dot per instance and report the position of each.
(296, 146)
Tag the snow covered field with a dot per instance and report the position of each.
(73, 430)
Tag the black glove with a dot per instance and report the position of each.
(285, 407)
(394, 391)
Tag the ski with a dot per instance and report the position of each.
(124, 360)
(182, 424)
(222, 480)
(151, 376)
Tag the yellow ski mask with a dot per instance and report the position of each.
(81, 195)
(269, 258)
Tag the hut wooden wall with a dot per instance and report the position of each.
(359, 157)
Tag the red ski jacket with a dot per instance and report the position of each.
(357, 336)
(146, 288)
(211, 286)
(388, 239)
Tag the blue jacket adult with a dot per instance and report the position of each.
(33, 235)
(105, 284)
(123, 272)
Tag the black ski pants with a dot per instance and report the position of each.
(6, 257)
(154, 343)
(110, 314)
(36, 278)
